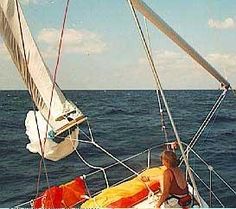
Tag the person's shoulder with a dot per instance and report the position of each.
(168, 172)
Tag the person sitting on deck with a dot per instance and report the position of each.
(174, 186)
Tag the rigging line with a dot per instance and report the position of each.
(55, 73)
(163, 126)
(126, 159)
(103, 169)
(93, 167)
(109, 154)
(221, 178)
(39, 177)
(204, 124)
(114, 158)
(90, 131)
(212, 124)
(56, 66)
(194, 140)
(88, 164)
(31, 94)
(207, 165)
(206, 121)
(42, 159)
(207, 187)
(148, 53)
(53, 87)
(158, 22)
(164, 100)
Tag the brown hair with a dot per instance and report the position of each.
(170, 157)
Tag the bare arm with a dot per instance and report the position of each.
(166, 188)
(150, 178)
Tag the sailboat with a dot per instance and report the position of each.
(53, 127)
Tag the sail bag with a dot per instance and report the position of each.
(64, 196)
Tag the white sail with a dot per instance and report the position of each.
(35, 74)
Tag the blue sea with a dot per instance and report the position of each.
(124, 123)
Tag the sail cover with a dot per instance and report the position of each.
(34, 72)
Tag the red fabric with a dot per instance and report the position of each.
(128, 202)
(185, 201)
(73, 192)
(51, 198)
(67, 195)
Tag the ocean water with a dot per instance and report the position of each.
(124, 123)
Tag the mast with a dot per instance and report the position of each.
(177, 39)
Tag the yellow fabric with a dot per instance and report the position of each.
(126, 189)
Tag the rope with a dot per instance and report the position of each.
(206, 121)
(55, 74)
(101, 168)
(158, 83)
(39, 176)
(92, 141)
(90, 132)
(107, 153)
(126, 159)
(57, 64)
(120, 162)
(50, 104)
(207, 187)
(221, 178)
(157, 90)
(34, 109)
(207, 165)
(211, 126)
(91, 166)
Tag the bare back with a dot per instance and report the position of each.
(180, 178)
(178, 182)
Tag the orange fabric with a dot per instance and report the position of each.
(51, 198)
(73, 192)
(67, 195)
(136, 198)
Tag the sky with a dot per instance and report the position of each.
(102, 48)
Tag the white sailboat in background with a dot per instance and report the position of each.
(53, 128)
